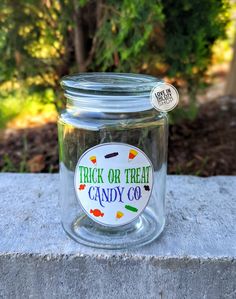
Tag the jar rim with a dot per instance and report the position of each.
(107, 81)
(109, 92)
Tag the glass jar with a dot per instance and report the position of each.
(112, 148)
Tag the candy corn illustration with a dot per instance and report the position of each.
(93, 159)
(132, 154)
(97, 213)
(119, 214)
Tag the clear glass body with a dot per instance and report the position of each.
(78, 131)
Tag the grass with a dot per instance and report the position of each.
(8, 165)
(19, 104)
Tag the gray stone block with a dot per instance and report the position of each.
(193, 258)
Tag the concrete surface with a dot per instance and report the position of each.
(193, 258)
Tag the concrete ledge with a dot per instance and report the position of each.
(194, 257)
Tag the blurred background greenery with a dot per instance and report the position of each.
(189, 43)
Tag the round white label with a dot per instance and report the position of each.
(113, 183)
(164, 97)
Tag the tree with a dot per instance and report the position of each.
(230, 89)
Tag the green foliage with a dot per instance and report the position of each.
(9, 108)
(20, 102)
(125, 32)
(175, 35)
(47, 39)
(191, 29)
(29, 39)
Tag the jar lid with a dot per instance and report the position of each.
(109, 92)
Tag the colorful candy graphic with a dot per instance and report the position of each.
(146, 188)
(119, 214)
(131, 208)
(97, 213)
(93, 159)
(82, 186)
(132, 154)
(111, 155)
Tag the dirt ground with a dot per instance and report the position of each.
(204, 147)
